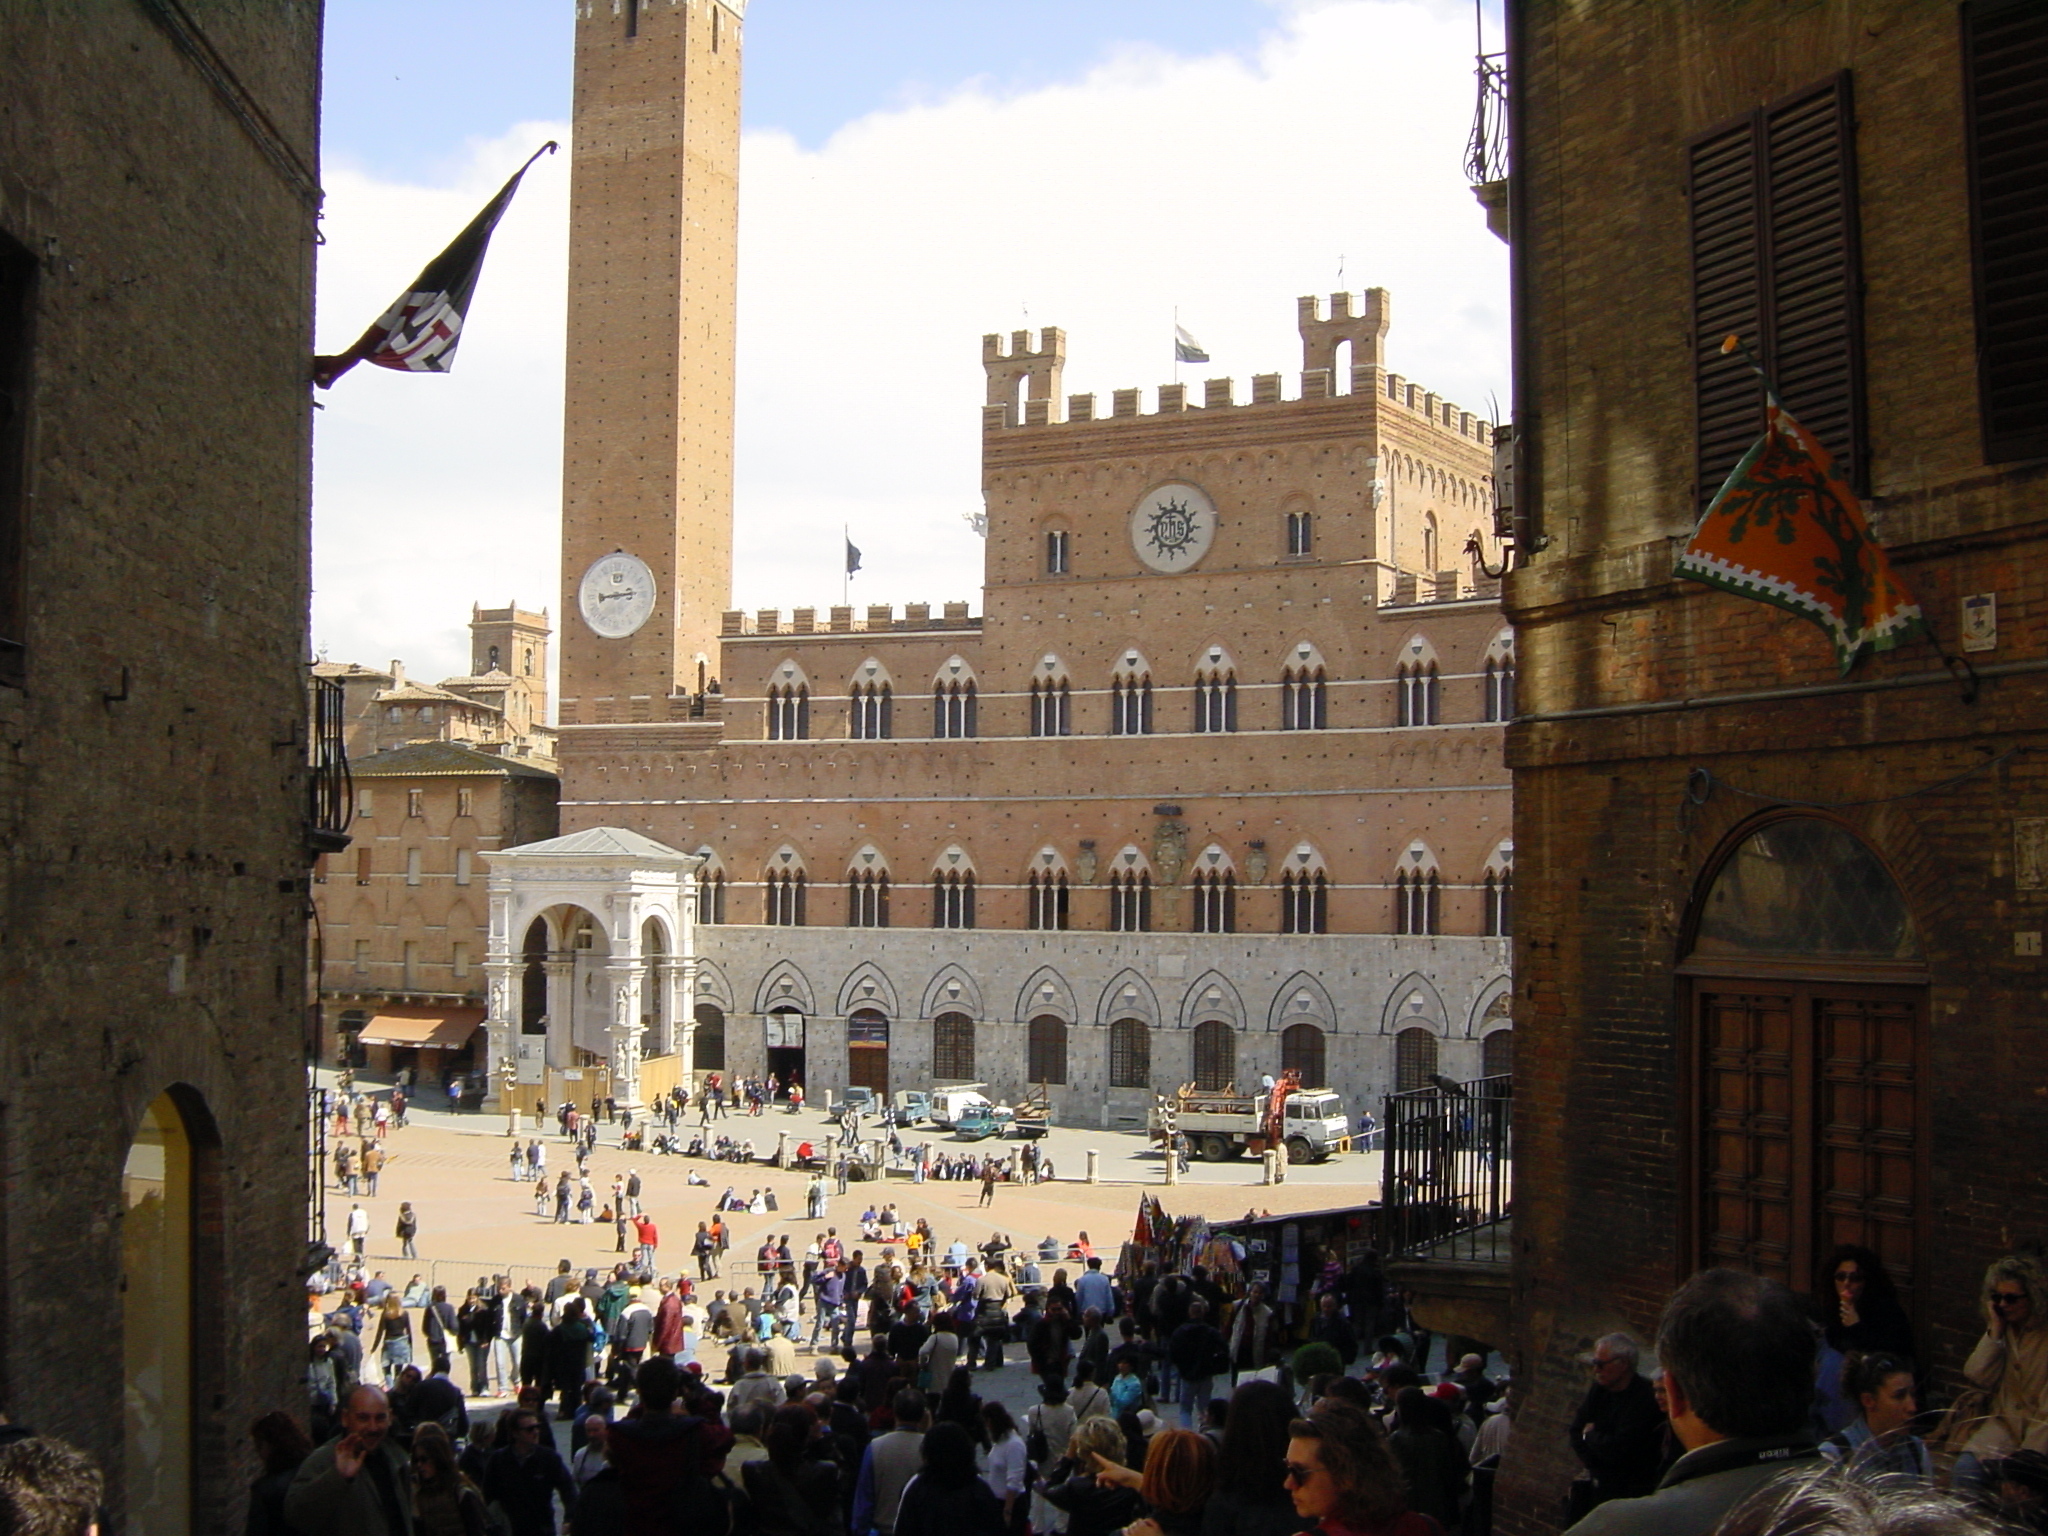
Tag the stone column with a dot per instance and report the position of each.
(501, 1025)
(561, 969)
(625, 1034)
(683, 980)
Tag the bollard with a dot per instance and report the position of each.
(1094, 1157)
(782, 1149)
(1172, 1164)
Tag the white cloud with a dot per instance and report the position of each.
(870, 269)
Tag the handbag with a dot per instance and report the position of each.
(1035, 1446)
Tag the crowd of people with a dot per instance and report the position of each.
(1165, 1406)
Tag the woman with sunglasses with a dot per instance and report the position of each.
(1863, 1311)
(2010, 1363)
(1345, 1480)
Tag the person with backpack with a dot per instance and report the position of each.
(1199, 1354)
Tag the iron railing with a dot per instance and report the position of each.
(332, 799)
(1449, 1170)
(1486, 154)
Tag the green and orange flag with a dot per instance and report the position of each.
(1786, 529)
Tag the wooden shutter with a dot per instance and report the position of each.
(1776, 260)
(2005, 64)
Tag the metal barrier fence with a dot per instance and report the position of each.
(1449, 1174)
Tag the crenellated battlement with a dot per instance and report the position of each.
(1037, 370)
(1359, 321)
(840, 619)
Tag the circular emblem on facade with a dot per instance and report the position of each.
(1172, 526)
(616, 595)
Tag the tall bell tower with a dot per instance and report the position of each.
(648, 408)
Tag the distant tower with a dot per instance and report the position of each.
(647, 414)
(515, 642)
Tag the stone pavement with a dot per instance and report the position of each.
(475, 1221)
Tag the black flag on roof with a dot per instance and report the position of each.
(420, 331)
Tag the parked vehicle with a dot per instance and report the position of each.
(862, 1099)
(1310, 1124)
(912, 1105)
(983, 1121)
(949, 1104)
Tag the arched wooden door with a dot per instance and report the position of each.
(1807, 999)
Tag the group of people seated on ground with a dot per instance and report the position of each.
(1763, 1416)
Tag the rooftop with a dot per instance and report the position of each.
(427, 759)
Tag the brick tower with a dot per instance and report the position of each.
(647, 415)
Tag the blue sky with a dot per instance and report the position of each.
(400, 92)
(918, 172)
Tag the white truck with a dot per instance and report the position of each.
(1310, 1124)
(948, 1104)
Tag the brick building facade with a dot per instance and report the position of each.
(1212, 785)
(1778, 954)
(157, 228)
(443, 776)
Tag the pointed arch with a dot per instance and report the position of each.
(784, 985)
(1497, 918)
(786, 889)
(1489, 1006)
(953, 888)
(1215, 690)
(1213, 879)
(867, 888)
(1417, 690)
(1045, 886)
(1304, 688)
(955, 700)
(1304, 891)
(1302, 999)
(711, 883)
(789, 702)
(1046, 991)
(1130, 891)
(1212, 995)
(1413, 1001)
(1051, 693)
(1418, 891)
(712, 985)
(952, 990)
(1497, 678)
(1130, 694)
(871, 702)
(1128, 996)
(867, 985)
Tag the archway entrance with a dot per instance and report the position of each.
(867, 1051)
(156, 1322)
(786, 1046)
(1807, 995)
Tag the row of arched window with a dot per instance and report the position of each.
(1303, 697)
(1213, 1050)
(1303, 887)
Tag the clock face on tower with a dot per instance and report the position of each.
(617, 595)
(1172, 526)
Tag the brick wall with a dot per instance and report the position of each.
(152, 788)
(1616, 833)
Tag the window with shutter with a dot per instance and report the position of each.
(1776, 261)
(2005, 65)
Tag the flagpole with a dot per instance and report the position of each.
(845, 575)
(1176, 344)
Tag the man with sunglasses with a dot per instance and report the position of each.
(1738, 1358)
(2011, 1364)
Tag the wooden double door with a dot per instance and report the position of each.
(1810, 1125)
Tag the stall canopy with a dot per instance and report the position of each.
(426, 1029)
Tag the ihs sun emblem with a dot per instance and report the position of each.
(1173, 529)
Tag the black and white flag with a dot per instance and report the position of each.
(420, 331)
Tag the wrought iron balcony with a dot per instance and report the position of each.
(332, 797)
(1486, 154)
(1449, 1171)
